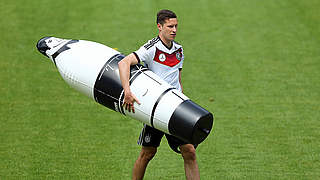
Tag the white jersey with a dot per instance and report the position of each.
(163, 61)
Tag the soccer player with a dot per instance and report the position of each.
(164, 57)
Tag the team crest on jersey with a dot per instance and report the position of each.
(168, 59)
(162, 57)
(178, 56)
(147, 138)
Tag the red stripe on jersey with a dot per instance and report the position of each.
(168, 59)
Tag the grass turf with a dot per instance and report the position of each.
(254, 64)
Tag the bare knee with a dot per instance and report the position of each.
(147, 153)
(188, 152)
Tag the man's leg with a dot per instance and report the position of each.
(190, 163)
(139, 168)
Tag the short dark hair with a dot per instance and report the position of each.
(165, 14)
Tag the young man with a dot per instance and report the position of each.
(164, 57)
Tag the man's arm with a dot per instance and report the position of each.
(124, 70)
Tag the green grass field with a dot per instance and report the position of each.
(255, 64)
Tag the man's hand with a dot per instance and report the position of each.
(124, 70)
(129, 100)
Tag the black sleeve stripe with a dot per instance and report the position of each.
(152, 42)
(137, 57)
(180, 69)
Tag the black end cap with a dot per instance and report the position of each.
(190, 122)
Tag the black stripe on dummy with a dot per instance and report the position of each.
(190, 122)
(108, 88)
(156, 104)
(63, 48)
(43, 47)
(135, 71)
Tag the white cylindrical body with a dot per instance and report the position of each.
(92, 69)
(80, 68)
(158, 100)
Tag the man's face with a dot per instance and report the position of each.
(169, 29)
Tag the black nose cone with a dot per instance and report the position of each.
(42, 46)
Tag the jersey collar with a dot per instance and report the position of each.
(169, 48)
